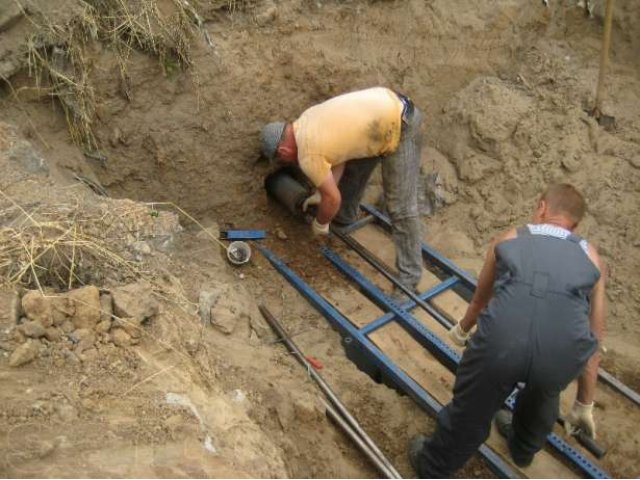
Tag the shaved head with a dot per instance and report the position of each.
(565, 199)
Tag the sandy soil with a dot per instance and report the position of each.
(504, 90)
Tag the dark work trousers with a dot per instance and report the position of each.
(400, 172)
(535, 330)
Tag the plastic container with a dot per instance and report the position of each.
(238, 252)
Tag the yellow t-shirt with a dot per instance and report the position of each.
(361, 124)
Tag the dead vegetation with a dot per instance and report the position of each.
(58, 54)
(62, 247)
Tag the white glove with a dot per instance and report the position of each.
(318, 228)
(458, 335)
(311, 200)
(580, 418)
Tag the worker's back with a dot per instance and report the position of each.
(539, 314)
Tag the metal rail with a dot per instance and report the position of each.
(433, 256)
(360, 341)
(430, 341)
(345, 420)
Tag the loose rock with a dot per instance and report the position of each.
(134, 301)
(120, 338)
(103, 327)
(25, 353)
(87, 306)
(53, 334)
(37, 307)
(85, 339)
(33, 329)
(106, 307)
(67, 327)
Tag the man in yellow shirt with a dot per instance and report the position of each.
(338, 143)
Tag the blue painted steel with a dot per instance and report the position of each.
(447, 356)
(443, 352)
(357, 224)
(401, 379)
(616, 384)
(426, 295)
(470, 282)
(243, 234)
(431, 253)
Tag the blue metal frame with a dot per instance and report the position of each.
(243, 234)
(470, 282)
(448, 357)
(421, 334)
(430, 253)
(398, 376)
(389, 316)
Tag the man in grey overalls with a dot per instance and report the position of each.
(539, 307)
(338, 143)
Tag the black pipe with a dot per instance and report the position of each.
(378, 265)
(371, 449)
(282, 186)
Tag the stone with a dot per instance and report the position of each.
(87, 306)
(129, 326)
(103, 327)
(135, 302)
(224, 307)
(67, 327)
(33, 329)
(84, 338)
(25, 353)
(17, 335)
(106, 307)
(53, 334)
(62, 309)
(280, 233)
(120, 338)
(37, 307)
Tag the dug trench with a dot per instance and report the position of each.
(503, 90)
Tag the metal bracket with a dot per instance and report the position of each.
(242, 234)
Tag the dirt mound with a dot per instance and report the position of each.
(507, 140)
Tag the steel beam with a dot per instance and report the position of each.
(424, 296)
(424, 400)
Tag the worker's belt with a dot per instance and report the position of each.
(407, 108)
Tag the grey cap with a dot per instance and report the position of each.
(270, 138)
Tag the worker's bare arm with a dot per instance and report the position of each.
(484, 289)
(331, 198)
(587, 381)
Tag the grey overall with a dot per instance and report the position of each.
(400, 171)
(535, 330)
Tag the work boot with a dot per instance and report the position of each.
(503, 421)
(398, 296)
(416, 445)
